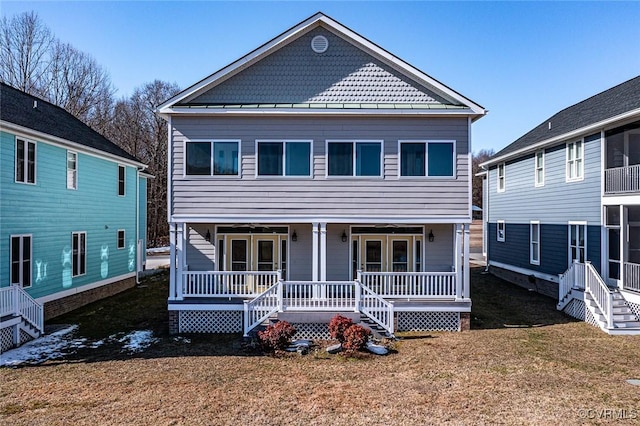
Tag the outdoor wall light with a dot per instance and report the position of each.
(344, 237)
(207, 236)
(294, 236)
(431, 236)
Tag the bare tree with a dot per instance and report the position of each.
(25, 47)
(478, 158)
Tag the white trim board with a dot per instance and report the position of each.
(524, 271)
(72, 291)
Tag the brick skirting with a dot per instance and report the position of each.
(63, 305)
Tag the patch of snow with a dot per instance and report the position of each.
(158, 250)
(137, 341)
(181, 339)
(48, 347)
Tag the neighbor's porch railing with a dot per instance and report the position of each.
(572, 278)
(226, 284)
(413, 285)
(631, 277)
(15, 301)
(622, 179)
(602, 295)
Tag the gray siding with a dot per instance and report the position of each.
(558, 201)
(300, 257)
(200, 253)
(439, 254)
(338, 254)
(388, 196)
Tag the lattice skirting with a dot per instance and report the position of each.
(210, 321)
(6, 339)
(428, 321)
(576, 308)
(312, 331)
(635, 308)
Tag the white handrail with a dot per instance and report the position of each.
(256, 311)
(572, 278)
(411, 284)
(622, 179)
(601, 294)
(319, 295)
(226, 283)
(376, 308)
(15, 301)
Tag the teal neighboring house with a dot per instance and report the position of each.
(72, 212)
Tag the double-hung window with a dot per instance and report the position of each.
(430, 158)
(72, 170)
(501, 233)
(354, 158)
(122, 176)
(575, 161)
(284, 158)
(539, 168)
(21, 260)
(534, 242)
(501, 178)
(79, 253)
(25, 161)
(212, 158)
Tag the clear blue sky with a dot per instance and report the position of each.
(523, 61)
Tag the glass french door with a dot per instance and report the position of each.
(387, 253)
(265, 258)
(239, 256)
(373, 255)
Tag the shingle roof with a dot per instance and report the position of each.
(617, 100)
(17, 107)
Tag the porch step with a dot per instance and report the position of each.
(376, 330)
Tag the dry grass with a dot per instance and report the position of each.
(490, 375)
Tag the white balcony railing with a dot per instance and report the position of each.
(631, 277)
(320, 295)
(226, 284)
(412, 285)
(622, 179)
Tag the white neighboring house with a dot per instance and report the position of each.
(319, 174)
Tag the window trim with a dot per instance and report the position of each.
(211, 161)
(426, 143)
(20, 278)
(501, 180)
(504, 231)
(538, 167)
(570, 163)
(577, 223)
(25, 160)
(284, 174)
(124, 239)
(122, 186)
(353, 143)
(532, 242)
(75, 177)
(78, 255)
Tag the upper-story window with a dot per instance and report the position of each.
(539, 168)
(575, 160)
(217, 158)
(25, 161)
(122, 176)
(284, 158)
(430, 158)
(72, 170)
(358, 158)
(501, 178)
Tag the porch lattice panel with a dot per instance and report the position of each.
(312, 331)
(6, 339)
(25, 337)
(210, 322)
(576, 309)
(635, 308)
(589, 318)
(428, 321)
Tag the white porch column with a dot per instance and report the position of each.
(323, 252)
(172, 261)
(458, 261)
(465, 266)
(624, 223)
(314, 252)
(180, 259)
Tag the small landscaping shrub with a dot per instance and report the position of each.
(337, 326)
(277, 336)
(355, 338)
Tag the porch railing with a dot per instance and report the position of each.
(376, 308)
(572, 278)
(602, 295)
(413, 285)
(319, 295)
(631, 277)
(256, 311)
(15, 301)
(226, 284)
(622, 179)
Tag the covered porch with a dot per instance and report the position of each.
(622, 266)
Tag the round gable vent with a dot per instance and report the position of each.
(319, 44)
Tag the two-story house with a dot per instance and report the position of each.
(72, 215)
(562, 209)
(319, 173)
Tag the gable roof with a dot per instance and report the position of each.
(590, 115)
(354, 73)
(31, 112)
